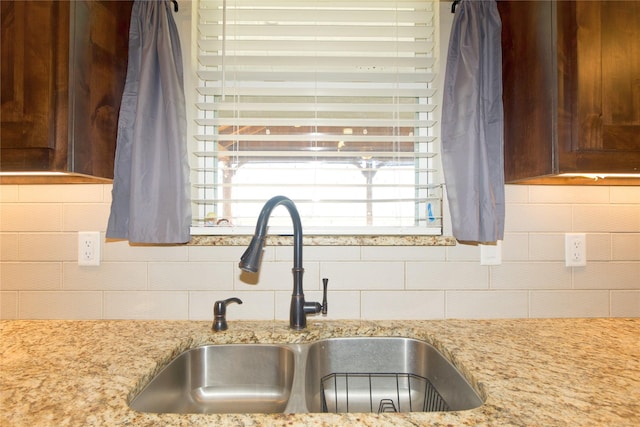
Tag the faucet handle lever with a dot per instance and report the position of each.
(325, 283)
(220, 311)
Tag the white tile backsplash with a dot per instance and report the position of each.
(56, 193)
(531, 275)
(8, 305)
(9, 246)
(40, 278)
(48, 246)
(86, 216)
(31, 217)
(607, 275)
(60, 305)
(30, 276)
(364, 275)
(386, 305)
(146, 305)
(606, 218)
(568, 194)
(538, 218)
(625, 303)
(447, 275)
(486, 304)
(569, 304)
(109, 276)
(625, 247)
(200, 276)
(122, 251)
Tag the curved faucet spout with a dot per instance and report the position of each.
(250, 260)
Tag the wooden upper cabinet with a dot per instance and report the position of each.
(30, 55)
(63, 71)
(571, 89)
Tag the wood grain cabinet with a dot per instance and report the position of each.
(571, 89)
(63, 71)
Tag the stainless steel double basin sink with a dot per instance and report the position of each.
(359, 374)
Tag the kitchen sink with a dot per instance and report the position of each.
(357, 374)
(231, 378)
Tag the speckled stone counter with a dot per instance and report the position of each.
(549, 372)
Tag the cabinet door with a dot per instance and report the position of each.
(607, 125)
(34, 38)
(530, 79)
(98, 72)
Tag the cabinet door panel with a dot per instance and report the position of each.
(27, 80)
(608, 64)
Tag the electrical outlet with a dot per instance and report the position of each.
(491, 254)
(89, 248)
(575, 250)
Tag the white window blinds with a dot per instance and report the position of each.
(329, 103)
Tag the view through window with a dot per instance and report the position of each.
(330, 103)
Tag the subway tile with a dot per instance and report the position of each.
(516, 193)
(8, 305)
(107, 193)
(146, 305)
(107, 276)
(625, 246)
(538, 218)
(607, 218)
(534, 275)
(18, 276)
(255, 305)
(447, 275)
(608, 275)
(48, 246)
(625, 194)
(569, 304)
(123, 251)
(320, 253)
(625, 303)
(462, 252)
(65, 193)
(215, 253)
(515, 247)
(598, 247)
(9, 247)
(364, 275)
(9, 193)
(86, 216)
(197, 276)
(574, 194)
(486, 304)
(401, 253)
(60, 305)
(546, 247)
(33, 217)
(385, 305)
(274, 276)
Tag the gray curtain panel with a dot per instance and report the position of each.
(472, 123)
(151, 199)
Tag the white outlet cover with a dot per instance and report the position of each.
(491, 254)
(88, 248)
(575, 250)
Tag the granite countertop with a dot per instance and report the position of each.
(546, 372)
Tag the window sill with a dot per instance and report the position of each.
(328, 240)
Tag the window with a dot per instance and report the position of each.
(330, 103)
